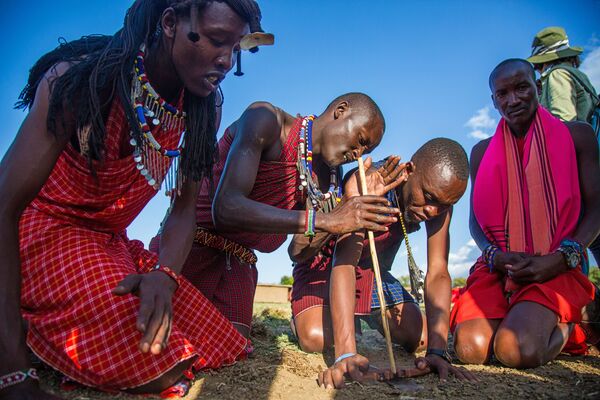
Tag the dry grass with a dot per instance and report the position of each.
(279, 370)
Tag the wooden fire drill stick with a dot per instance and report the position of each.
(375, 262)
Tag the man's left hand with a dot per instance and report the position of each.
(537, 269)
(381, 180)
(431, 362)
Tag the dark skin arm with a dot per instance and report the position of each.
(437, 302)
(258, 133)
(342, 302)
(342, 287)
(156, 289)
(546, 267)
(24, 169)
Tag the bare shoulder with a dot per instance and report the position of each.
(583, 136)
(260, 123)
(477, 153)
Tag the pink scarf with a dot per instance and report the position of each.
(529, 204)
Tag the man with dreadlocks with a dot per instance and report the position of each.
(278, 174)
(333, 292)
(106, 115)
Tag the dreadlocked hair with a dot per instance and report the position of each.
(101, 67)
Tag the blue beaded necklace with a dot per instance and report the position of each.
(316, 199)
(148, 154)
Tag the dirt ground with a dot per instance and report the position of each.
(279, 370)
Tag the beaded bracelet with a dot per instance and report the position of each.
(167, 271)
(309, 223)
(581, 249)
(488, 255)
(343, 357)
(14, 378)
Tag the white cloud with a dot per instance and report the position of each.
(481, 124)
(479, 134)
(460, 261)
(591, 67)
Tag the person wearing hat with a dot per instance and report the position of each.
(566, 91)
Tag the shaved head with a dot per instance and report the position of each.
(442, 153)
(360, 104)
(510, 65)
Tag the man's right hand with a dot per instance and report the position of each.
(357, 213)
(155, 290)
(28, 390)
(355, 367)
(502, 258)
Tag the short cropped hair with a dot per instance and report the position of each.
(362, 103)
(511, 62)
(442, 152)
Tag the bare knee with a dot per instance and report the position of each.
(311, 339)
(515, 349)
(407, 326)
(472, 342)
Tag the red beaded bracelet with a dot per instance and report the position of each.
(167, 271)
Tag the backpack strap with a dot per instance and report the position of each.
(595, 97)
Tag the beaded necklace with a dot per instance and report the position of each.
(148, 155)
(416, 275)
(316, 199)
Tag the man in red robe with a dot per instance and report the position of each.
(535, 186)
(106, 116)
(260, 197)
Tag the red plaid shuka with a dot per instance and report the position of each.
(74, 251)
(225, 280)
(276, 185)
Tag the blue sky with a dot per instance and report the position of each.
(426, 64)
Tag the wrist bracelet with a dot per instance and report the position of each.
(343, 357)
(167, 271)
(14, 378)
(309, 223)
(489, 253)
(440, 353)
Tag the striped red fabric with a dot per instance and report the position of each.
(74, 251)
(311, 279)
(225, 280)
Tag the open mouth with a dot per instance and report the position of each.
(213, 80)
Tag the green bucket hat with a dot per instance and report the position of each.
(551, 44)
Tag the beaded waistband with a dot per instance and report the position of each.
(209, 239)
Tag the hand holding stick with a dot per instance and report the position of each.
(375, 262)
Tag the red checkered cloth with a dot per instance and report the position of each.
(230, 285)
(276, 185)
(74, 251)
(311, 279)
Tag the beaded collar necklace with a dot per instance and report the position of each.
(150, 157)
(316, 199)
(416, 275)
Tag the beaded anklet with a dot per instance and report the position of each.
(14, 378)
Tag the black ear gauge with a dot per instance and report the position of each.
(238, 70)
(193, 36)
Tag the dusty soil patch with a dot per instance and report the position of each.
(279, 370)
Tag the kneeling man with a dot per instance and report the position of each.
(534, 184)
(326, 300)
